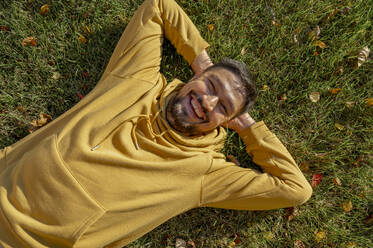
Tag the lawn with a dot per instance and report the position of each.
(312, 94)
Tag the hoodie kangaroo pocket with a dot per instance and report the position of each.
(44, 205)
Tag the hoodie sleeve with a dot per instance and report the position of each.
(139, 50)
(281, 184)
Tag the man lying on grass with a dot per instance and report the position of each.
(137, 151)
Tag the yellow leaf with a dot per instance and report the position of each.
(319, 43)
(269, 235)
(363, 56)
(29, 41)
(232, 244)
(369, 101)
(265, 87)
(210, 27)
(319, 236)
(337, 181)
(41, 121)
(87, 29)
(314, 96)
(44, 9)
(347, 206)
(334, 91)
(82, 39)
(339, 126)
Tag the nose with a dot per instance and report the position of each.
(209, 102)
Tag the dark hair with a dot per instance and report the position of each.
(247, 82)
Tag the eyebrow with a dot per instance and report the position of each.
(228, 102)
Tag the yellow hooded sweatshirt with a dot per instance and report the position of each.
(111, 169)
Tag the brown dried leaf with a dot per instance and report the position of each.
(191, 244)
(337, 181)
(319, 43)
(44, 9)
(304, 166)
(369, 219)
(299, 244)
(359, 160)
(334, 91)
(4, 28)
(210, 27)
(363, 56)
(369, 101)
(21, 108)
(41, 121)
(82, 39)
(290, 213)
(316, 179)
(29, 41)
(347, 206)
(314, 96)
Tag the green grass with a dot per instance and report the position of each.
(306, 128)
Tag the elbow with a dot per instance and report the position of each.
(302, 193)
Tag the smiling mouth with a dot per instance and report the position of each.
(195, 108)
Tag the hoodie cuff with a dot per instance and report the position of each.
(255, 133)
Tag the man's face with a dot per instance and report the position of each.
(205, 102)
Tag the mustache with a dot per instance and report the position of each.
(199, 99)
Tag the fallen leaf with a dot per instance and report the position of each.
(265, 87)
(314, 96)
(319, 43)
(269, 235)
(295, 40)
(369, 101)
(317, 31)
(314, 34)
(351, 244)
(56, 75)
(316, 53)
(339, 71)
(304, 166)
(345, 10)
(3, 28)
(243, 51)
(87, 29)
(180, 243)
(237, 238)
(44, 9)
(283, 97)
(350, 104)
(82, 39)
(299, 244)
(319, 236)
(29, 41)
(276, 23)
(347, 206)
(210, 27)
(51, 62)
(323, 154)
(369, 219)
(80, 95)
(337, 181)
(316, 179)
(21, 108)
(85, 74)
(334, 91)
(41, 121)
(290, 213)
(232, 244)
(340, 127)
(330, 15)
(191, 243)
(359, 160)
(363, 56)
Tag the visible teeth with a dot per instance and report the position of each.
(196, 109)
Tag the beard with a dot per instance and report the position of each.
(177, 116)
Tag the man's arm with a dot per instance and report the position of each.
(281, 185)
(138, 53)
